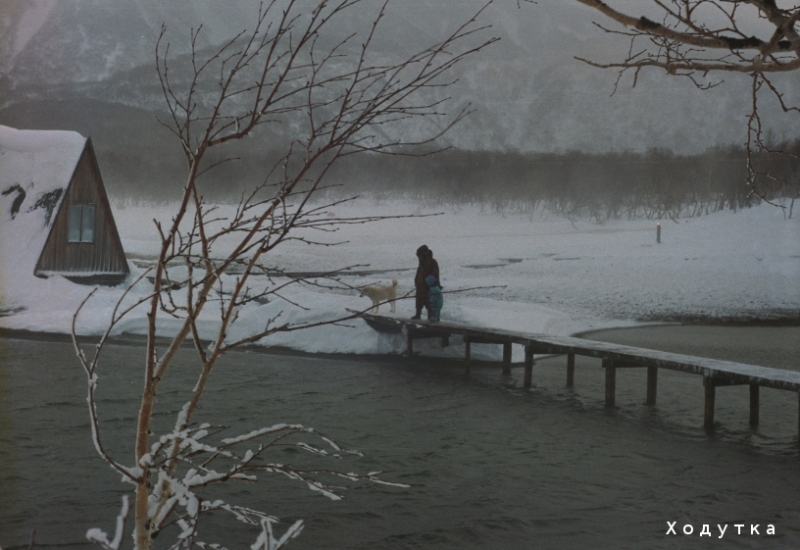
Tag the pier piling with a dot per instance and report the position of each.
(507, 358)
(611, 382)
(467, 354)
(754, 398)
(710, 395)
(570, 370)
(652, 384)
(528, 366)
(714, 372)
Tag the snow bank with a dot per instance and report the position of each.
(542, 274)
(35, 169)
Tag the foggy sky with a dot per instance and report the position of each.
(529, 92)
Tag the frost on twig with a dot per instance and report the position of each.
(340, 97)
(178, 502)
(100, 537)
(267, 541)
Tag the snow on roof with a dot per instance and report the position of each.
(35, 169)
(38, 160)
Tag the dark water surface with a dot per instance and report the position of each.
(490, 465)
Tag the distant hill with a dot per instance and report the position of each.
(88, 65)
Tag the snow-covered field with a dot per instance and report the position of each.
(545, 274)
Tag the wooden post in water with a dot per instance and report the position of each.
(467, 354)
(611, 382)
(410, 342)
(528, 366)
(570, 370)
(754, 388)
(652, 385)
(507, 358)
(710, 388)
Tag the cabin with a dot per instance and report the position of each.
(55, 218)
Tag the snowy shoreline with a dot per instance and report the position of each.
(535, 273)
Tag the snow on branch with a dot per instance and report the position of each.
(340, 96)
(100, 537)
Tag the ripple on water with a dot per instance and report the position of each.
(490, 465)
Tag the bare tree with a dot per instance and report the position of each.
(698, 39)
(337, 97)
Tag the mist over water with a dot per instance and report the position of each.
(490, 465)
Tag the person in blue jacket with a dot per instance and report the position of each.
(435, 298)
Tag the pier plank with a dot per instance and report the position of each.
(541, 344)
(714, 371)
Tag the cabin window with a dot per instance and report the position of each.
(81, 223)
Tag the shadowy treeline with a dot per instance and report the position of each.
(142, 162)
(655, 185)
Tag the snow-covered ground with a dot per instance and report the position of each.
(540, 273)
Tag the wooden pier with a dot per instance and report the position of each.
(715, 373)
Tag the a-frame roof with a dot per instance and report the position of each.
(36, 167)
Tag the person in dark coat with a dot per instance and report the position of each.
(427, 266)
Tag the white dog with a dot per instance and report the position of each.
(380, 294)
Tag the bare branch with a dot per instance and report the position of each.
(701, 39)
(339, 97)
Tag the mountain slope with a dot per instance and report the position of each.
(528, 91)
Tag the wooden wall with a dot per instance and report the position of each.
(103, 256)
